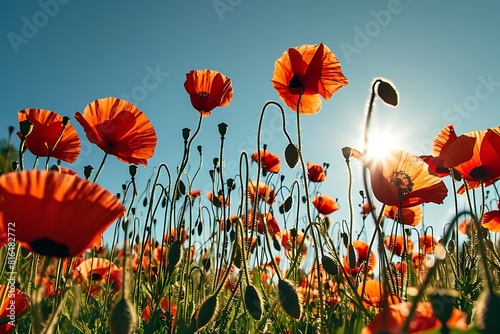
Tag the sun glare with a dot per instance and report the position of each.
(380, 144)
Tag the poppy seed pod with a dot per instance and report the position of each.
(87, 171)
(65, 121)
(122, 318)
(25, 127)
(132, 169)
(346, 152)
(222, 129)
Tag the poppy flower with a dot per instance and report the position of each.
(315, 172)
(427, 243)
(363, 257)
(261, 219)
(166, 306)
(491, 220)
(14, 304)
(474, 155)
(411, 216)
(263, 191)
(269, 161)
(208, 89)
(395, 244)
(291, 239)
(56, 214)
(436, 165)
(308, 72)
(401, 173)
(216, 200)
(325, 204)
(367, 208)
(97, 272)
(392, 319)
(119, 128)
(44, 141)
(372, 293)
(465, 225)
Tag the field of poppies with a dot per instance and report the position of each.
(259, 252)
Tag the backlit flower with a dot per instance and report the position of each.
(208, 89)
(372, 293)
(315, 172)
(269, 161)
(465, 225)
(427, 243)
(411, 216)
(56, 214)
(325, 204)
(363, 258)
(396, 244)
(367, 208)
(95, 273)
(119, 128)
(44, 138)
(263, 191)
(491, 220)
(308, 71)
(400, 173)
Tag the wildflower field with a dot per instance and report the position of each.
(259, 253)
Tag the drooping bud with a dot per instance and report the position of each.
(25, 127)
(387, 92)
(87, 171)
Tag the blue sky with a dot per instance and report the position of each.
(442, 56)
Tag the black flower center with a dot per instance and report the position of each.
(202, 95)
(401, 180)
(49, 247)
(478, 173)
(295, 82)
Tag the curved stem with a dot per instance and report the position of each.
(102, 163)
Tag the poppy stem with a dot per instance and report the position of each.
(102, 163)
(21, 154)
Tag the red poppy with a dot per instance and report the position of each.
(315, 172)
(412, 216)
(195, 193)
(491, 220)
(56, 214)
(367, 208)
(400, 172)
(208, 89)
(395, 244)
(291, 240)
(269, 161)
(96, 272)
(474, 155)
(465, 225)
(264, 192)
(363, 258)
(427, 243)
(372, 293)
(325, 204)
(392, 319)
(307, 71)
(15, 303)
(119, 128)
(44, 138)
(216, 200)
(261, 219)
(436, 165)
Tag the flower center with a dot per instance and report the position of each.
(401, 180)
(295, 82)
(202, 95)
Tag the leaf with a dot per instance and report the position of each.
(291, 155)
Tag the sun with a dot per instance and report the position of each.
(379, 144)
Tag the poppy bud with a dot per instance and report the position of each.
(11, 129)
(122, 319)
(25, 127)
(346, 152)
(216, 162)
(65, 121)
(185, 133)
(55, 168)
(387, 92)
(222, 129)
(199, 148)
(87, 171)
(132, 169)
(212, 174)
(15, 165)
(230, 184)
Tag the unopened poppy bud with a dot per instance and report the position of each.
(387, 92)
(230, 184)
(122, 319)
(222, 129)
(25, 127)
(346, 152)
(15, 165)
(55, 168)
(65, 121)
(199, 148)
(11, 129)
(185, 133)
(132, 169)
(216, 162)
(87, 171)
(212, 174)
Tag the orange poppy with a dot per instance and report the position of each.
(465, 225)
(395, 244)
(166, 306)
(491, 220)
(436, 165)
(308, 72)
(264, 192)
(15, 303)
(44, 138)
(391, 320)
(269, 161)
(325, 204)
(96, 272)
(216, 200)
(208, 89)
(315, 172)
(372, 293)
(272, 225)
(174, 234)
(412, 216)
(291, 239)
(56, 214)
(195, 193)
(367, 208)
(401, 172)
(119, 128)
(427, 243)
(362, 258)
(474, 155)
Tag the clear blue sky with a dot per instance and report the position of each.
(442, 56)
